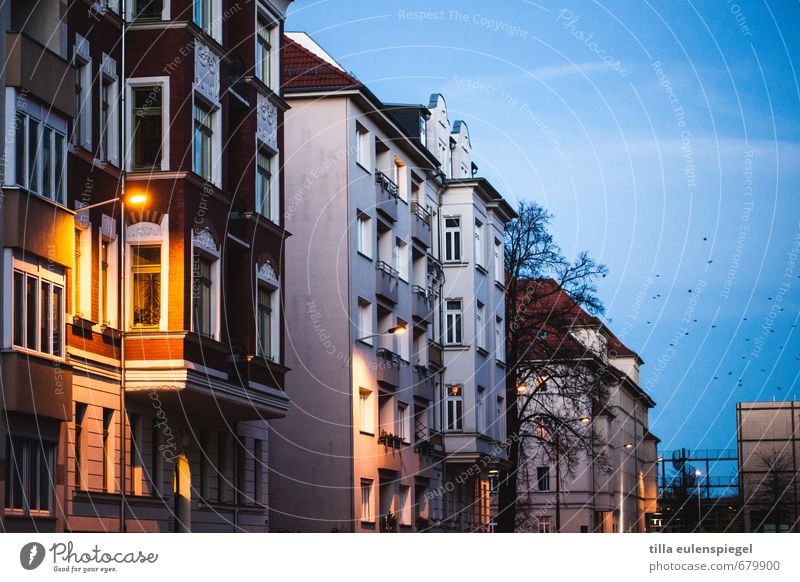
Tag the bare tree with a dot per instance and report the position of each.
(771, 491)
(546, 296)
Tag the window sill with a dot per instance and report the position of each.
(364, 343)
(500, 285)
(455, 347)
(482, 351)
(365, 256)
(500, 363)
(366, 433)
(32, 513)
(34, 353)
(481, 269)
(454, 263)
(367, 170)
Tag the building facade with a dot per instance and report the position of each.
(769, 465)
(376, 413)
(143, 344)
(595, 469)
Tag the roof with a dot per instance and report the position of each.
(304, 69)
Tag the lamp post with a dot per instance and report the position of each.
(396, 330)
(137, 199)
(628, 445)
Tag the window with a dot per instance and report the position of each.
(137, 467)
(401, 259)
(454, 408)
(546, 524)
(109, 113)
(404, 505)
(403, 423)
(264, 184)
(146, 281)
(82, 274)
(543, 478)
(258, 486)
(38, 309)
(264, 41)
(223, 458)
(453, 331)
(202, 299)
(363, 147)
(106, 256)
(81, 472)
(40, 154)
(148, 9)
(402, 341)
(499, 428)
(156, 456)
(423, 129)
(364, 235)
(480, 414)
(499, 340)
(108, 449)
(452, 239)
(82, 122)
(480, 259)
(203, 16)
(147, 128)
(367, 513)
(499, 269)
(266, 325)
(203, 134)
(366, 412)
(30, 474)
(400, 177)
(480, 326)
(365, 321)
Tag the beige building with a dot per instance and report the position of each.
(769, 465)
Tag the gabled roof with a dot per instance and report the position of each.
(302, 69)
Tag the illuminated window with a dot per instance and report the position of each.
(146, 280)
(38, 309)
(367, 502)
(366, 411)
(454, 408)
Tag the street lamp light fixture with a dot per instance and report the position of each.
(522, 389)
(396, 330)
(628, 445)
(585, 420)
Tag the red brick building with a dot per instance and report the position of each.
(142, 344)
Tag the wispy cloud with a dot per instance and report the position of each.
(572, 69)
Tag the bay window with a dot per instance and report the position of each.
(146, 282)
(40, 154)
(37, 309)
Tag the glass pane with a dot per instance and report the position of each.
(45, 455)
(31, 292)
(146, 256)
(58, 309)
(20, 150)
(33, 150)
(19, 308)
(146, 298)
(47, 162)
(59, 168)
(44, 319)
(147, 127)
(148, 9)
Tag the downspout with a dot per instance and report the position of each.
(122, 281)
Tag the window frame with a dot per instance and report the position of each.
(453, 241)
(363, 147)
(33, 449)
(367, 512)
(203, 138)
(365, 317)
(366, 411)
(132, 85)
(272, 210)
(266, 45)
(454, 408)
(454, 321)
(22, 329)
(268, 281)
(364, 234)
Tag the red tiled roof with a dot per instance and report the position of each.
(302, 69)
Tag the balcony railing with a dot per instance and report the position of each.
(421, 224)
(386, 281)
(422, 303)
(388, 367)
(423, 382)
(386, 196)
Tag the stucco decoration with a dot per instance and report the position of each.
(206, 72)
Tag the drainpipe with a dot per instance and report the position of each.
(121, 306)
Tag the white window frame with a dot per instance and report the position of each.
(452, 235)
(273, 26)
(147, 234)
(478, 245)
(165, 14)
(403, 422)
(366, 411)
(367, 500)
(45, 118)
(109, 287)
(454, 408)
(83, 123)
(267, 278)
(32, 446)
(137, 83)
(41, 273)
(215, 141)
(214, 9)
(400, 177)
(401, 259)
(274, 211)
(480, 326)
(363, 147)
(454, 320)
(365, 322)
(82, 289)
(404, 505)
(204, 245)
(499, 267)
(109, 123)
(499, 340)
(364, 234)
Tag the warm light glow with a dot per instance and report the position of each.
(493, 471)
(522, 389)
(586, 420)
(402, 328)
(137, 199)
(628, 445)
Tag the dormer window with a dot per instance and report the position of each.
(423, 128)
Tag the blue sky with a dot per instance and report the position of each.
(665, 138)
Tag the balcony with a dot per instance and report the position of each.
(386, 282)
(421, 224)
(435, 356)
(39, 70)
(388, 368)
(423, 382)
(387, 195)
(422, 304)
